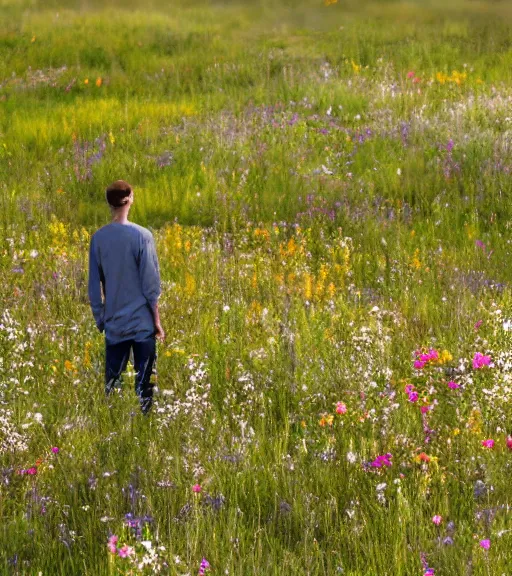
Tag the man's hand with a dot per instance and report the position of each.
(160, 334)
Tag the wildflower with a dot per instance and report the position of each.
(429, 572)
(384, 460)
(86, 81)
(341, 408)
(410, 74)
(196, 488)
(509, 442)
(425, 409)
(125, 551)
(112, 542)
(55, 450)
(422, 457)
(488, 443)
(413, 396)
(419, 365)
(453, 385)
(326, 420)
(448, 541)
(99, 81)
(32, 471)
(437, 519)
(485, 544)
(205, 565)
(480, 360)
(477, 325)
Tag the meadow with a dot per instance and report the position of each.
(328, 185)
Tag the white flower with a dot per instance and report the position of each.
(381, 487)
(34, 253)
(399, 172)
(226, 308)
(351, 457)
(146, 544)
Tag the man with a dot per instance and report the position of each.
(123, 261)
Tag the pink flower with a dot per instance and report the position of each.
(196, 488)
(205, 565)
(384, 460)
(509, 442)
(424, 409)
(413, 396)
(32, 471)
(479, 361)
(478, 324)
(125, 551)
(437, 519)
(112, 541)
(488, 443)
(55, 450)
(410, 74)
(341, 408)
(429, 572)
(409, 388)
(485, 544)
(419, 364)
(453, 385)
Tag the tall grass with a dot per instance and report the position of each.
(328, 190)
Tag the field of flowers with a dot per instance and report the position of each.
(328, 185)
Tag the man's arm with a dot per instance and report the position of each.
(95, 279)
(150, 280)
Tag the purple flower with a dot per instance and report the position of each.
(480, 360)
(485, 544)
(383, 460)
(205, 565)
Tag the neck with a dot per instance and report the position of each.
(120, 217)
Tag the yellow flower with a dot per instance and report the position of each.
(68, 365)
(99, 81)
(33, 39)
(355, 67)
(86, 81)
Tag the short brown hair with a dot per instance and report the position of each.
(117, 193)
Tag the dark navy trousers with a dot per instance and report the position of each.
(144, 362)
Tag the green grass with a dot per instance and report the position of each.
(328, 187)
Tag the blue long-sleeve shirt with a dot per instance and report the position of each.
(123, 261)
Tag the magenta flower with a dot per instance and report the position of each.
(410, 74)
(424, 409)
(32, 471)
(437, 519)
(429, 572)
(125, 551)
(341, 408)
(509, 442)
(488, 443)
(205, 565)
(196, 488)
(419, 365)
(453, 385)
(413, 396)
(383, 460)
(112, 541)
(478, 324)
(409, 388)
(480, 360)
(55, 450)
(485, 544)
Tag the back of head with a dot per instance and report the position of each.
(117, 193)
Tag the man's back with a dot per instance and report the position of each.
(123, 259)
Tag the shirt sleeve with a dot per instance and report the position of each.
(96, 278)
(149, 270)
